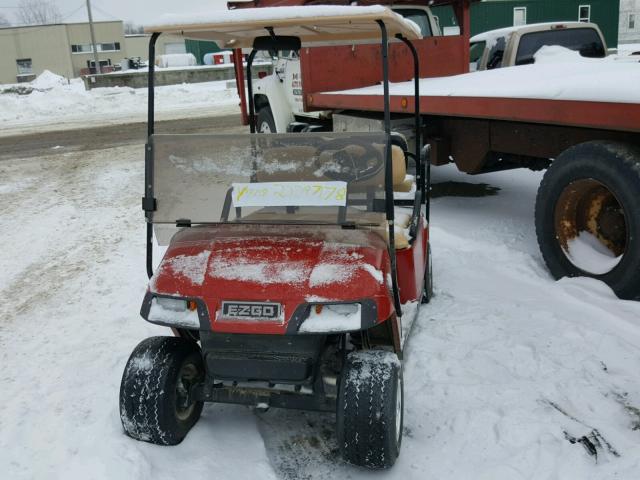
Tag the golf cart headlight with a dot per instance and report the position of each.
(174, 304)
(333, 318)
(174, 312)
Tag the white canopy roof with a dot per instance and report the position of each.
(314, 24)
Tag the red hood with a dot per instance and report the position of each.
(291, 265)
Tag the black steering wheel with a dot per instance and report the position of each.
(347, 165)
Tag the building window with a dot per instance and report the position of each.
(519, 16)
(632, 21)
(109, 47)
(102, 47)
(103, 63)
(24, 66)
(584, 13)
(86, 48)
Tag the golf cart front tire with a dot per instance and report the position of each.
(370, 409)
(155, 374)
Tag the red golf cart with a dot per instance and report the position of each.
(291, 257)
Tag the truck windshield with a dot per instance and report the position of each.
(311, 178)
(496, 54)
(476, 49)
(418, 16)
(587, 41)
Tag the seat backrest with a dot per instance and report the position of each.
(399, 165)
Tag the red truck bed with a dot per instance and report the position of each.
(602, 115)
(599, 94)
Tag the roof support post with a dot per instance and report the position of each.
(148, 202)
(239, 69)
(252, 112)
(416, 110)
(390, 207)
(151, 83)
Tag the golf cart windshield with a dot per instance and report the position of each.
(308, 178)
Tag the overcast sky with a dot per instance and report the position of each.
(139, 11)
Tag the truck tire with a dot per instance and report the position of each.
(588, 217)
(264, 121)
(370, 409)
(153, 383)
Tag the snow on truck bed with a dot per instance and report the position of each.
(558, 74)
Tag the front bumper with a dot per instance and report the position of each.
(368, 318)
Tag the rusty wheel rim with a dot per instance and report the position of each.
(591, 226)
(188, 376)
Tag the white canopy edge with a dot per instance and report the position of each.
(314, 24)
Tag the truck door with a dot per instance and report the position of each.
(287, 69)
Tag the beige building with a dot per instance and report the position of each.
(629, 31)
(66, 49)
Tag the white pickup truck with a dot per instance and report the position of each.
(507, 47)
(278, 97)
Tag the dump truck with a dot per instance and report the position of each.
(578, 120)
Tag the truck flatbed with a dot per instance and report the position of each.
(600, 94)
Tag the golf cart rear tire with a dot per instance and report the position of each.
(149, 408)
(427, 293)
(265, 117)
(617, 167)
(368, 428)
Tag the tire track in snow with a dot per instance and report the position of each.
(68, 254)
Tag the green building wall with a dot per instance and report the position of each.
(492, 14)
(200, 48)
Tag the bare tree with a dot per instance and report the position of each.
(4, 22)
(131, 28)
(38, 12)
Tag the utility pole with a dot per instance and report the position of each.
(93, 39)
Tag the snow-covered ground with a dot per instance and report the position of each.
(502, 368)
(57, 103)
(628, 48)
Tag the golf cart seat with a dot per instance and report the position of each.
(401, 183)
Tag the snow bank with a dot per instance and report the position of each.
(55, 101)
(628, 48)
(558, 74)
(48, 80)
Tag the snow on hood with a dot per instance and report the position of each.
(272, 264)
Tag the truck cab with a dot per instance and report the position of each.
(508, 47)
(279, 97)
